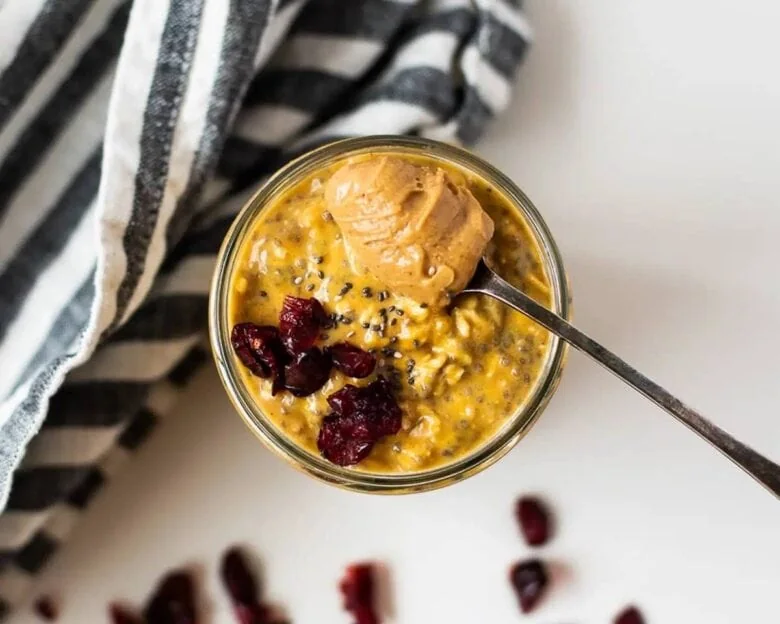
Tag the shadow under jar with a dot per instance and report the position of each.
(471, 380)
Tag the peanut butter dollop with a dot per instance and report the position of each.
(414, 227)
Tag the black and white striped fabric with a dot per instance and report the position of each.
(130, 134)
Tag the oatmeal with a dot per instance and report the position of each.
(458, 372)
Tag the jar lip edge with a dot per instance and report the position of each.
(502, 440)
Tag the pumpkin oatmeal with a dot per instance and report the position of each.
(457, 372)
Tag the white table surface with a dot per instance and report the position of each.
(649, 136)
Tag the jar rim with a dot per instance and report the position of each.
(516, 426)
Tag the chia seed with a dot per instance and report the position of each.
(263, 293)
(383, 295)
(310, 287)
(320, 274)
(391, 308)
(394, 321)
(416, 343)
(399, 312)
(410, 380)
(345, 289)
(318, 259)
(504, 360)
(376, 328)
(346, 320)
(393, 339)
(368, 293)
(423, 305)
(365, 325)
(327, 216)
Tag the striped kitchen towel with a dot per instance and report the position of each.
(130, 134)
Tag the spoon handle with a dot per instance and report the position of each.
(766, 472)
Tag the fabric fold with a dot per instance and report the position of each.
(130, 135)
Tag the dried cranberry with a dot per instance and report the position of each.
(238, 579)
(308, 372)
(630, 615)
(173, 602)
(45, 607)
(244, 590)
(534, 520)
(374, 405)
(365, 615)
(300, 323)
(383, 408)
(361, 416)
(352, 360)
(345, 401)
(260, 349)
(122, 615)
(340, 443)
(252, 614)
(529, 579)
(357, 588)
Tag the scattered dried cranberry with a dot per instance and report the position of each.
(244, 590)
(308, 372)
(630, 615)
(173, 602)
(352, 360)
(529, 579)
(260, 349)
(252, 614)
(122, 615)
(340, 442)
(238, 579)
(300, 323)
(45, 607)
(357, 588)
(534, 520)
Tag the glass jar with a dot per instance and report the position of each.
(516, 426)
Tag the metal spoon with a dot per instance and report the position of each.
(766, 472)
